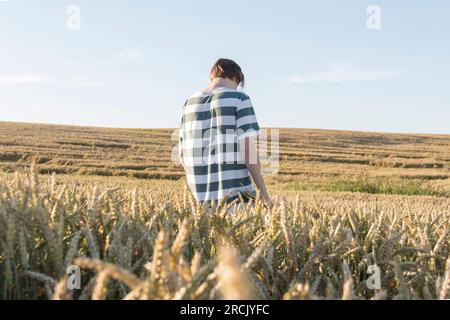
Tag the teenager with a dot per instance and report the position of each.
(218, 131)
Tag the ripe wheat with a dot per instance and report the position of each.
(153, 243)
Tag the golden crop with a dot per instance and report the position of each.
(117, 208)
(150, 240)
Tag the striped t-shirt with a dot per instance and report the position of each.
(211, 127)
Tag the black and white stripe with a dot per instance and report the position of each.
(212, 126)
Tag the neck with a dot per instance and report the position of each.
(222, 82)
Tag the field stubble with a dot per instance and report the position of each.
(310, 159)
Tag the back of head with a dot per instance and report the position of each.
(227, 68)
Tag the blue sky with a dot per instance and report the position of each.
(308, 64)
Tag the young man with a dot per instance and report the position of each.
(218, 132)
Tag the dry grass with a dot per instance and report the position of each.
(150, 240)
(309, 159)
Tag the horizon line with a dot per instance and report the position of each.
(267, 127)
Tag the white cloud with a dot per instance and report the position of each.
(79, 80)
(75, 80)
(344, 74)
(13, 79)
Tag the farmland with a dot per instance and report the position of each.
(322, 160)
(112, 202)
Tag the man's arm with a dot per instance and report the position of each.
(254, 166)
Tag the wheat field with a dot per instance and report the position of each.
(71, 196)
(313, 160)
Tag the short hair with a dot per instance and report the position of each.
(227, 68)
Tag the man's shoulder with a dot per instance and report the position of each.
(199, 97)
(196, 98)
(231, 93)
